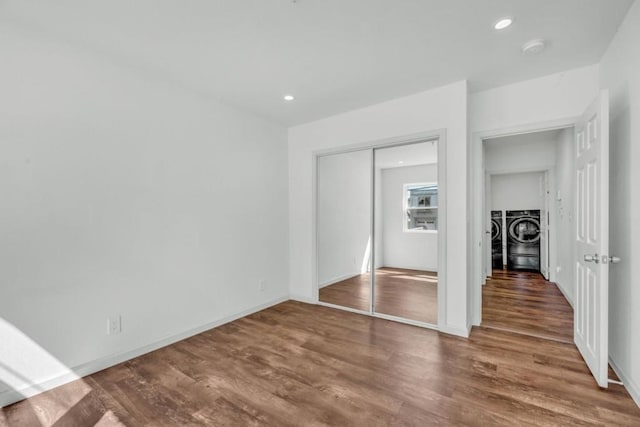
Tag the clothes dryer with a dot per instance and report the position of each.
(523, 240)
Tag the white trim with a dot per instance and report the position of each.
(372, 233)
(632, 387)
(442, 228)
(478, 191)
(381, 316)
(512, 171)
(343, 308)
(11, 396)
(302, 298)
(405, 207)
(425, 325)
(429, 270)
(338, 279)
(385, 142)
(456, 330)
(564, 293)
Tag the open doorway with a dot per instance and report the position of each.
(528, 211)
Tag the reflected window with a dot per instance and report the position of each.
(421, 207)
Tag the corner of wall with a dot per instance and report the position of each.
(629, 384)
(10, 396)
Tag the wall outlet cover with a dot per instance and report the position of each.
(114, 325)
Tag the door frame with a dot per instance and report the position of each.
(549, 171)
(477, 200)
(439, 135)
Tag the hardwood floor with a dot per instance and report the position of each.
(525, 302)
(411, 294)
(297, 364)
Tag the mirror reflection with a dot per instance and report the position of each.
(406, 230)
(344, 229)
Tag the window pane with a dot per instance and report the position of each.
(421, 207)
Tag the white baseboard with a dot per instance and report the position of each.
(301, 298)
(338, 279)
(631, 386)
(419, 268)
(11, 396)
(456, 330)
(566, 295)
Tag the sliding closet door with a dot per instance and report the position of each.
(344, 229)
(406, 232)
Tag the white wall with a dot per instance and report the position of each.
(517, 191)
(413, 250)
(124, 194)
(344, 215)
(548, 98)
(533, 151)
(620, 73)
(441, 108)
(564, 210)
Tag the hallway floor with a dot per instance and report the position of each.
(524, 302)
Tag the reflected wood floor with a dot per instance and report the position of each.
(298, 364)
(525, 302)
(411, 294)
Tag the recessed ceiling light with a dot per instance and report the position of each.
(400, 162)
(503, 23)
(288, 97)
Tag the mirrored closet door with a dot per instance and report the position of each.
(406, 232)
(378, 220)
(344, 204)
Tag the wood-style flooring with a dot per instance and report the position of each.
(411, 294)
(525, 302)
(297, 364)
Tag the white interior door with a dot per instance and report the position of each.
(592, 237)
(544, 225)
(487, 225)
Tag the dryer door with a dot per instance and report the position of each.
(525, 230)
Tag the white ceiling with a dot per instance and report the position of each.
(333, 55)
(407, 155)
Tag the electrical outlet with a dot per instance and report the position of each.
(261, 285)
(114, 325)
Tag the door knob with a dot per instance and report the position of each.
(592, 258)
(610, 259)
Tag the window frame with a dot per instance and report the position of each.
(406, 207)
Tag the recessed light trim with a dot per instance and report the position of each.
(503, 23)
(533, 47)
(288, 97)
